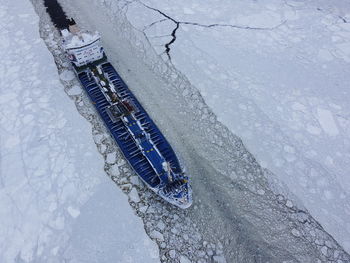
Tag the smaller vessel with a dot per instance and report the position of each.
(140, 140)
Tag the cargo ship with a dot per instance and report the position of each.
(139, 139)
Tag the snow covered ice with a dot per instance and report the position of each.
(276, 73)
(56, 203)
(257, 223)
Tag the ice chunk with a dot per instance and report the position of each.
(172, 253)
(67, 75)
(296, 232)
(219, 259)
(75, 90)
(184, 259)
(325, 117)
(134, 196)
(157, 235)
(73, 212)
(161, 225)
(110, 158)
(289, 204)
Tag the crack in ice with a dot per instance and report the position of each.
(167, 45)
(152, 24)
(178, 23)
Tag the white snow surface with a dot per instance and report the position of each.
(56, 203)
(276, 73)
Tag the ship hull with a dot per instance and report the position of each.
(126, 143)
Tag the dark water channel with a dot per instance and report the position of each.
(58, 16)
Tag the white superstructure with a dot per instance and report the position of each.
(82, 47)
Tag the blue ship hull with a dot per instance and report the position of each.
(143, 166)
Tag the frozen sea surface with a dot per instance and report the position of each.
(234, 207)
(56, 203)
